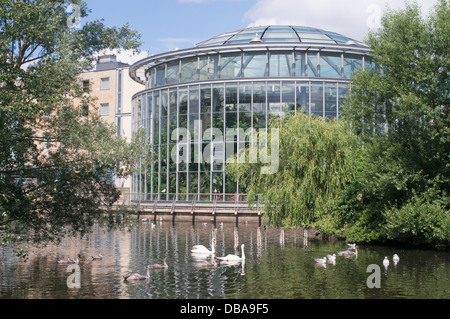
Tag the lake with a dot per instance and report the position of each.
(279, 264)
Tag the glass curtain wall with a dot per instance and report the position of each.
(195, 128)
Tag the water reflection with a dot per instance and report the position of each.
(279, 263)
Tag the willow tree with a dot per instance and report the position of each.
(316, 161)
(55, 161)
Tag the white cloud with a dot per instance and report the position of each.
(348, 17)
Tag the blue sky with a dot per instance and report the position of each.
(169, 24)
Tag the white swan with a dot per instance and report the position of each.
(159, 266)
(395, 259)
(137, 276)
(351, 246)
(385, 262)
(234, 257)
(200, 249)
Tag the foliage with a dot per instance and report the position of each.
(401, 114)
(56, 162)
(316, 159)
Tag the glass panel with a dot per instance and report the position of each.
(230, 66)
(218, 98)
(218, 122)
(255, 65)
(274, 98)
(213, 71)
(300, 65)
(172, 72)
(189, 70)
(288, 97)
(205, 184)
(193, 186)
(205, 99)
(217, 185)
(203, 68)
(156, 107)
(231, 120)
(161, 75)
(351, 64)
(149, 111)
(312, 65)
(330, 65)
(303, 97)
(182, 186)
(218, 155)
(173, 102)
(183, 98)
(164, 102)
(317, 99)
(343, 91)
(245, 96)
(330, 100)
(194, 112)
(280, 64)
(163, 130)
(172, 185)
(231, 97)
(245, 123)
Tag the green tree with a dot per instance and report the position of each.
(401, 113)
(56, 163)
(316, 160)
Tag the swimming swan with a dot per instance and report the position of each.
(159, 266)
(395, 259)
(200, 249)
(234, 257)
(137, 276)
(385, 262)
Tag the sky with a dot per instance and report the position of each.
(169, 24)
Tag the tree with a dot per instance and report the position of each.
(56, 163)
(316, 160)
(401, 113)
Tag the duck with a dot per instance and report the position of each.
(385, 262)
(98, 257)
(234, 257)
(348, 253)
(136, 276)
(200, 249)
(321, 261)
(395, 259)
(159, 266)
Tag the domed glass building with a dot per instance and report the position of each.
(237, 80)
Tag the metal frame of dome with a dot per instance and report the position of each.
(326, 41)
(276, 34)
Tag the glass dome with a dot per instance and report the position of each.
(280, 34)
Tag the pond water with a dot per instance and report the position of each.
(279, 264)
